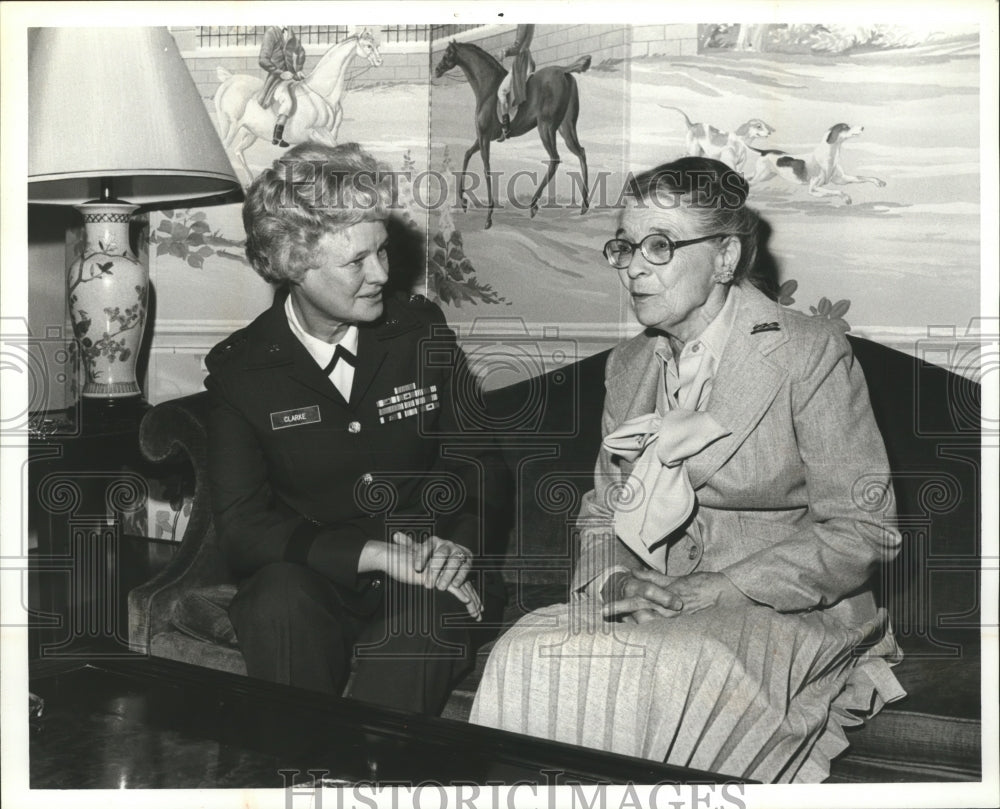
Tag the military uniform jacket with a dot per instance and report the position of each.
(299, 474)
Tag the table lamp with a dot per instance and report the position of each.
(115, 124)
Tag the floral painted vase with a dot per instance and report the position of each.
(108, 289)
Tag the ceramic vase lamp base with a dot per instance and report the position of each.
(108, 292)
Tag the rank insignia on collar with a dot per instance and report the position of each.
(762, 327)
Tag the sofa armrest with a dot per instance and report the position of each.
(171, 429)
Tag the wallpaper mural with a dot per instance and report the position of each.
(860, 144)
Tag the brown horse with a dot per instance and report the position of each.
(552, 104)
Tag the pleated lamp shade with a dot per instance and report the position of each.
(119, 104)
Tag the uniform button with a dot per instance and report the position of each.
(354, 427)
(376, 583)
(695, 347)
(692, 553)
(367, 479)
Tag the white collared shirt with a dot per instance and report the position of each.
(342, 376)
(687, 381)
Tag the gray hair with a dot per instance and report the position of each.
(715, 194)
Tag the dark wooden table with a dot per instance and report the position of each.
(148, 723)
(84, 474)
(79, 473)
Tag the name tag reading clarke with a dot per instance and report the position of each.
(293, 418)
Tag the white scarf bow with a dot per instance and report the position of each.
(658, 497)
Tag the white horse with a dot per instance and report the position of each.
(318, 111)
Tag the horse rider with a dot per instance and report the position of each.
(283, 57)
(513, 89)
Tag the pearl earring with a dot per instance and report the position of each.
(723, 276)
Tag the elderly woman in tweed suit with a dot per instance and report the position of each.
(721, 615)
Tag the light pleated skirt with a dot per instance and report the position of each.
(750, 692)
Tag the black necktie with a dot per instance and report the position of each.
(340, 353)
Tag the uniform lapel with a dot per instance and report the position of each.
(745, 383)
(275, 346)
(372, 350)
(374, 343)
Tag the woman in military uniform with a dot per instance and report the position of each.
(351, 529)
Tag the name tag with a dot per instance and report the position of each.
(293, 418)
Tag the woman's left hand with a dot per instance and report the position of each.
(698, 591)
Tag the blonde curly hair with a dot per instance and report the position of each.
(311, 190)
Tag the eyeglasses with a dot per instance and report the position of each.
(656, 249)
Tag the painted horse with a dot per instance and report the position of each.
(552, 104)
(318, 112)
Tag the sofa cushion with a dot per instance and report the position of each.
(203, 614)
(175, 645)
(908, 741)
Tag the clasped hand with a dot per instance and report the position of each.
(434, 563)
(645, 595)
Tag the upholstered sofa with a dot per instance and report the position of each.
(551, 429)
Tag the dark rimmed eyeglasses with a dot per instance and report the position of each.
(656, 249)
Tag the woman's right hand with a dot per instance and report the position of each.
(433, 564)
(640, 598)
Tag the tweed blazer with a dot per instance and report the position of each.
(795, 505)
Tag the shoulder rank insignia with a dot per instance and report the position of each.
(762, 327)
(223, 349)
